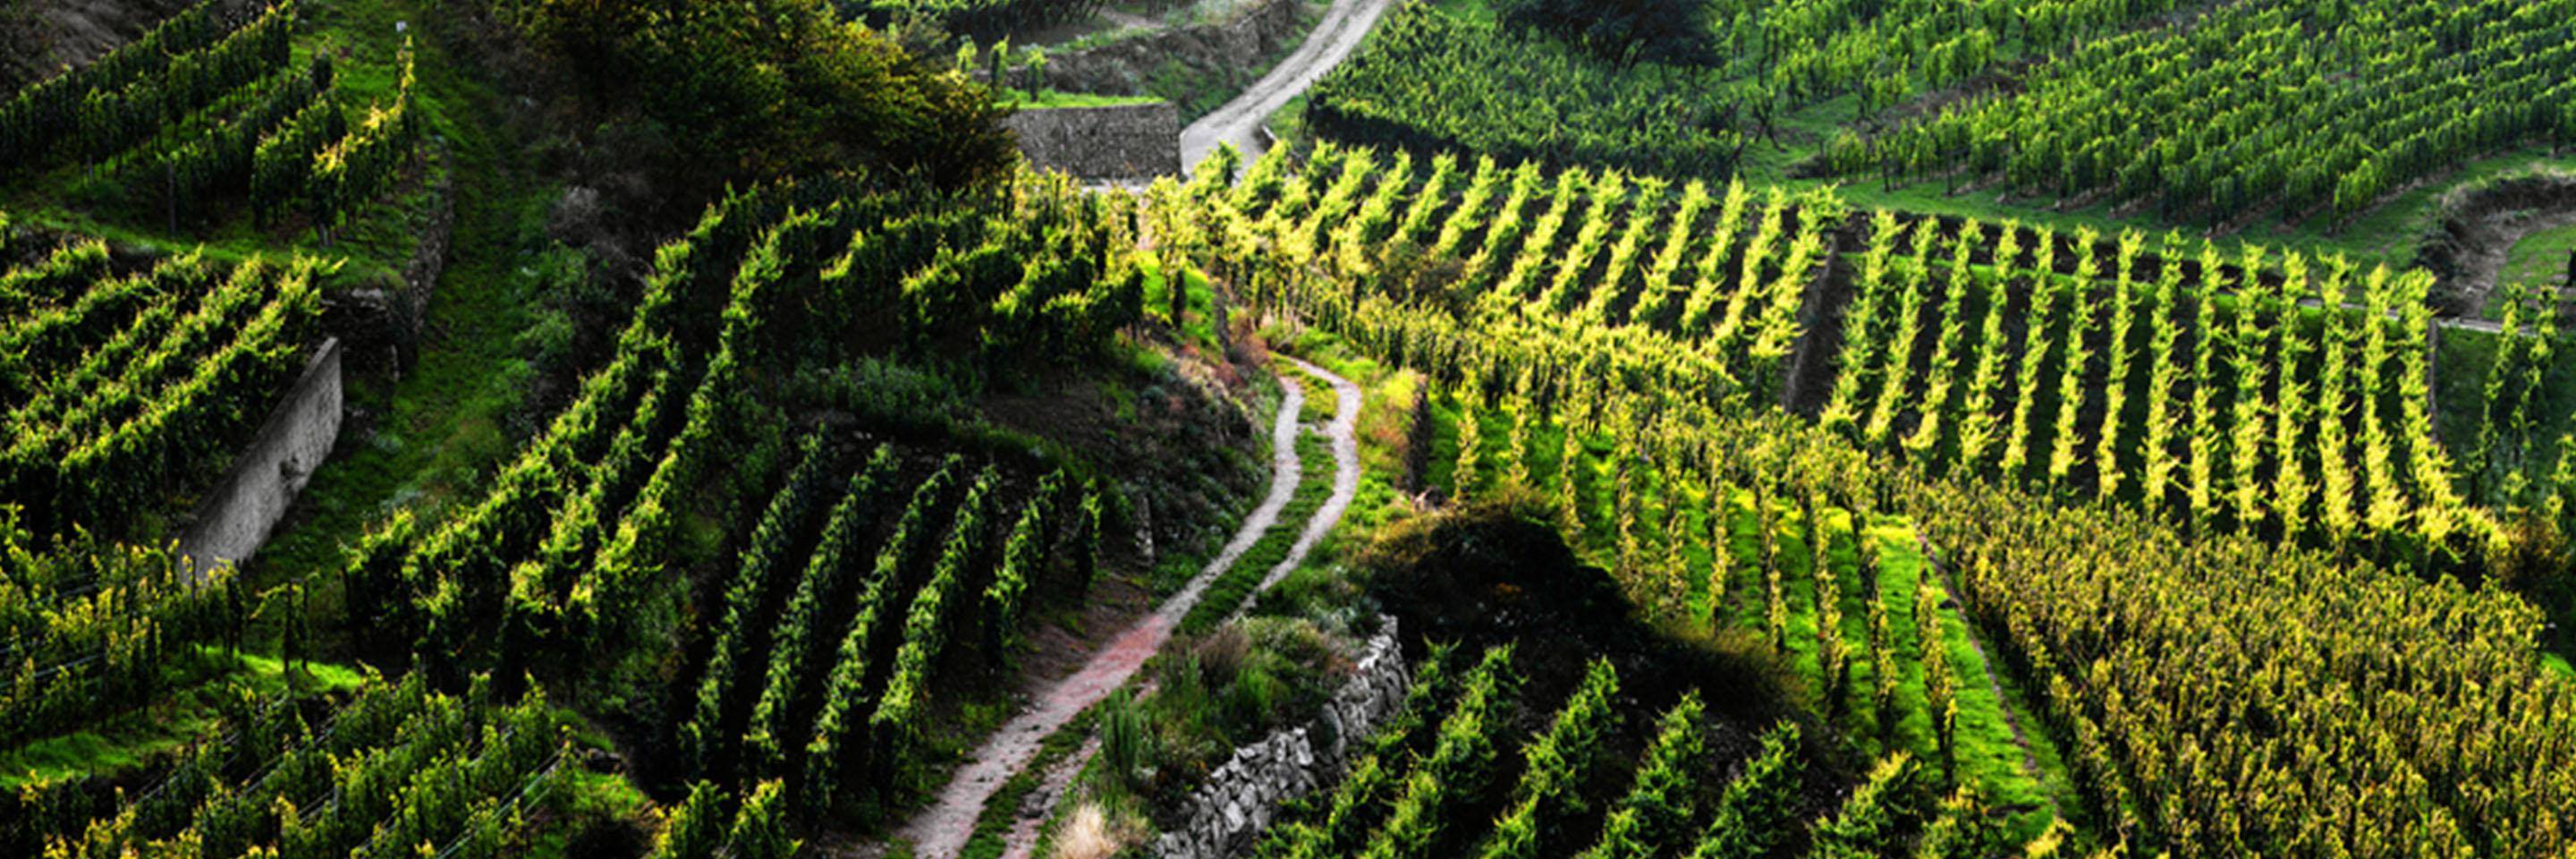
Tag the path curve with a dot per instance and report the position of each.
(1346, 477)
(1239, 121)
(942, 830)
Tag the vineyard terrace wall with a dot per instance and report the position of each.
(1217, 49)
(235, 517)
(1116, 143)
(1230, 810)
(382, 320)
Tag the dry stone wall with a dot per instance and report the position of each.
(1229, 812)
(1118, 143)
(381, 321)
(1222, 49)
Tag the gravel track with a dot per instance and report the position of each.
(1239, 121)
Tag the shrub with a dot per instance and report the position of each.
(1123, 743)
(1088, 834)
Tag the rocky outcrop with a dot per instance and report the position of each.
(1229, 812)
(1119, 143)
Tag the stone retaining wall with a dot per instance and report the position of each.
(1228, 813)
(381, 322)
(1128, 142)
(234, 518)
(1223, 48)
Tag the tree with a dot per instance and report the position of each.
(756, 89)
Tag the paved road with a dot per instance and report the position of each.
(1239, 121)
(942, 830)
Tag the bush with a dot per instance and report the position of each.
(1123, 743)
(1221, 654)
(1089, 834)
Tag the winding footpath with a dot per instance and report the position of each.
(1346, 478)
(942, 830)
(1239, 121)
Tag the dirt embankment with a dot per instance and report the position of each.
(2479, 225)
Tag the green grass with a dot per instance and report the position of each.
(199, 681)
(443, 424)
(1047, 99)
(583, 799)
(1288, 125)
(1231, 588)
(1197, 323)
(1988, 755)
(2538, 259)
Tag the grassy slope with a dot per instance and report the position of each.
(191, 710)
(2539, 259)
(440, 426)
(373, 247)
(460, 357)
(1052, 99)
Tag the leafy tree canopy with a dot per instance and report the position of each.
(762, 88)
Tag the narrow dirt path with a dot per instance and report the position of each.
(942, 830)
(1022, 843)
(1994, 684)
(1346, 478)
(1239, 121)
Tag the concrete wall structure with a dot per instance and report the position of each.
(235, 517)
